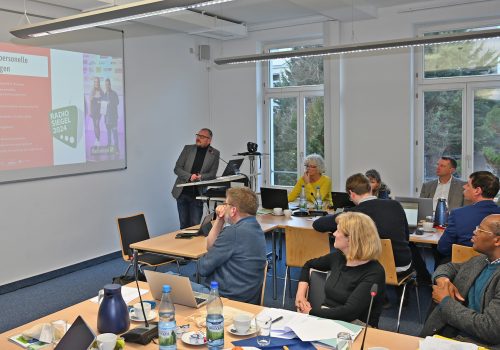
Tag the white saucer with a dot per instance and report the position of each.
(231, 329)
(278, 214)
(186, 338)
(151, 316)
(432, 230)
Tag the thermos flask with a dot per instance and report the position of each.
(441, 213)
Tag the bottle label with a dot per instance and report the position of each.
(166, 335)
(215, 331)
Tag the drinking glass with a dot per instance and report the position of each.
(263, 324)
(344, 341)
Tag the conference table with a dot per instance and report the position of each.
(184, 315)
(196, 247)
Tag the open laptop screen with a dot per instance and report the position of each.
(78, 337)
(411, 211)
(232, 166)
(274, 198)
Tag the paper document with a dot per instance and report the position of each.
(431, 343)
(306, 327)
(128, 294)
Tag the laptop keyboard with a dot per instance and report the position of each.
(200, 300)
(200, 297)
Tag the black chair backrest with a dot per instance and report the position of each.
(132, 229)
(316, 294)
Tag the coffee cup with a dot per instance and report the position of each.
(427, 226)
(138, 310)
(288, 213)
(278, 211)
(106, 341)
(242, 322)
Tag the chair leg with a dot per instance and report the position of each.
(281, 245)
(128, 268)
(401, 307)
(418, 301)
(178, 267)
(284, 287)
(289, 283)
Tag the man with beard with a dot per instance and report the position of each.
(236, 252)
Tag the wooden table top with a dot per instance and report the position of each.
(88, 310)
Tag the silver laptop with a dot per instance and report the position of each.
(411, 211)
(424, 205)
(182, 292)
(204, 229)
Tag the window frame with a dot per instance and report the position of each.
(468, 84)
(299, 92)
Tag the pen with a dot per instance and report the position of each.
(277, 319)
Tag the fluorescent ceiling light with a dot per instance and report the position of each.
(360, 47)
(110, 15)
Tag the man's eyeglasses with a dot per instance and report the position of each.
(480, 229)
(202, 136)
(310, 166)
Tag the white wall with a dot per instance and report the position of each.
(375, 91)
(52, 223)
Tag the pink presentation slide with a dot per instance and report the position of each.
(25, 103)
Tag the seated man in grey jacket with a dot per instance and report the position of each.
(468, 294)
(237, 253)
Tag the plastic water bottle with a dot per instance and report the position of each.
(215, 319)
(303, 200)
(166, 324)
(441, 213)
(319, 200)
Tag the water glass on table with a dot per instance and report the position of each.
(263, 324)
(344, 341)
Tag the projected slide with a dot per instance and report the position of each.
(59, 108)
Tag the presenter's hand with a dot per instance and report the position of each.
(195, 177)
(444, 288)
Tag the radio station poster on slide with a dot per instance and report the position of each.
(59, 108)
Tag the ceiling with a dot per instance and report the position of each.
(233, 20)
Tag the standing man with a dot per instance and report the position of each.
(445, 186)
(196, 163)
(111, 116)
(236, 253)
(481, 188)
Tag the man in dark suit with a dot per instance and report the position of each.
(388, 215)
(481, 188)
(196, 163)
(445, 185)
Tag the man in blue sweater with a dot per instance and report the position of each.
(236, 253)
(481, 188)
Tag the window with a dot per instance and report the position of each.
(459, 107)
(295, 110)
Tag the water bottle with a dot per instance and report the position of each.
(441, 213)
(303, 200)
(166, 324)
(319, 200)
(215, 319)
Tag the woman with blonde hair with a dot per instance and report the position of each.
(353, 270)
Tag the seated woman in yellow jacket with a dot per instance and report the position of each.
(312, 178)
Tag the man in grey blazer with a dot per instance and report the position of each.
(196, 163)
(468, 294)
(445, 185)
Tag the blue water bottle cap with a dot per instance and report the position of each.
(214, 285)
(166, 288)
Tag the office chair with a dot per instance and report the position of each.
(133, 229)
(301, 245)
(461, 253)
(316, 291)
(391, 277)
(263, 288)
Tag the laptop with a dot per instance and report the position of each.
(78, 337)
(232, 166)
(182, 292)
(411, 211)
(341, 200)
(424, 205)
(203, 230)
(274, 198)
